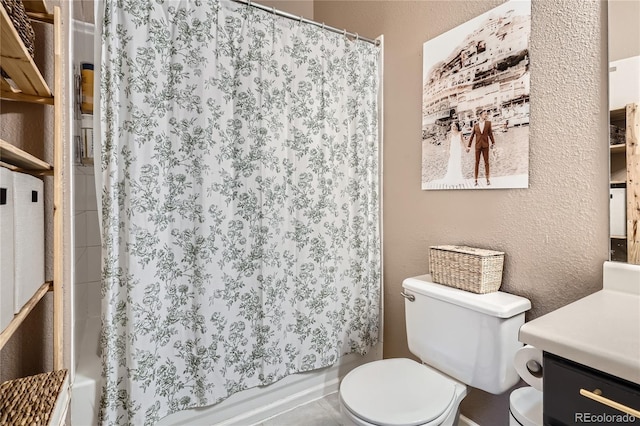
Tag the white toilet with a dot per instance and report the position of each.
(463, 339)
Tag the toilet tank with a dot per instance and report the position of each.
(470, 337)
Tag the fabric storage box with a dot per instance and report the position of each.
(467, 268)
(618, 212)
(6, 248)
(28, 219)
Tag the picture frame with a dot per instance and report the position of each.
(476, 103)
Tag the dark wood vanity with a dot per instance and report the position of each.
(591, 353)
(576, 394)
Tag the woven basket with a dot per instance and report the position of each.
(18, 16)
(467, 268)
(30, 400)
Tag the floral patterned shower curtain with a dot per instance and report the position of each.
(240, 202)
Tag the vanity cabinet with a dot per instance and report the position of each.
(576, 394)
(625, 183)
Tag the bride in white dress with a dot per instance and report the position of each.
(454, 167)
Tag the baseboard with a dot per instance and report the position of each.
(465, 421)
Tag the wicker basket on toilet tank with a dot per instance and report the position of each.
(467, 268)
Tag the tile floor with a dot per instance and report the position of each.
(322, 412)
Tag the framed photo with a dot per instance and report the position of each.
(475, 102)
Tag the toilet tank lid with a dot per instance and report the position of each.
(498, 304)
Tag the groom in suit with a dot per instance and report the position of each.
(482, 132)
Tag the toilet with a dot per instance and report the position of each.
(463, 339)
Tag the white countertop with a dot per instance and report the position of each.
(601, 331)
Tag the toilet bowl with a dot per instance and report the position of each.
(525, 407)
(463, 339)
(399, 392)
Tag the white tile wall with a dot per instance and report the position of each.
(93, 230)
(93, 263)
(81, 229)
(88, 251)
(81, 265)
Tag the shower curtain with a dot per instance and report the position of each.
(240, 202)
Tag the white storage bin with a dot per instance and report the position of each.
(6, 248)
(28, 219)
(618, 212)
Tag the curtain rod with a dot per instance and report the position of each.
(306, 21)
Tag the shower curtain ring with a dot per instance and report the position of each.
(301, 18)
(249, 3)
(323, 26)
(357, 37)
(273, 10)
(344, 33)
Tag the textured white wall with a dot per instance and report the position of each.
(555, 234)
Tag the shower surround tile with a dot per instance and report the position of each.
(93, 229)
(93, 263)
(80, 230)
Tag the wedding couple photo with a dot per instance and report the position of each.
(484, 157)
(475, 109)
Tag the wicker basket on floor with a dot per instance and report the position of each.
(467, 268)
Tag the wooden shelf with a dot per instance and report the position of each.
(22, 160)
(24, 312)
(38, 11)
(619, 114)
(27, 83)
(36, 6)
(625, 173)
(633, 182)
(41, 399)
(618, 148)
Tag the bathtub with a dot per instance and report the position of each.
(244, 408)
(85, 391)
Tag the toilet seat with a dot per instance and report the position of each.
(397, 391)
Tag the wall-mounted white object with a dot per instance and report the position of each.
(28, 220)
(624, 84)
(6, 247)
